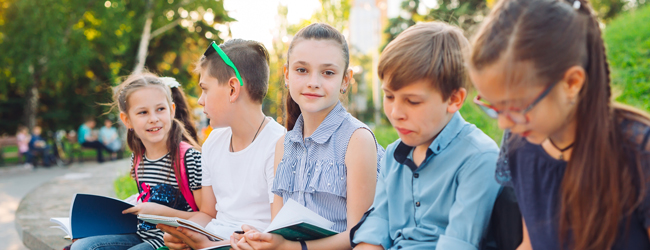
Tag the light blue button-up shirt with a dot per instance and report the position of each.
(445, 203)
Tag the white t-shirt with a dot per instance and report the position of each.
(241, 181)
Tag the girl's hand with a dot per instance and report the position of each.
(146, 208)
(264, 241)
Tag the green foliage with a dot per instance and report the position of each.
(474, 115)
(385, 135)
(627, 38)
(464, 14)
(75, 51)
(125, 186)
(609, 9)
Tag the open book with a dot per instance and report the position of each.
(178, 222)
(92, 215)
(296, 222)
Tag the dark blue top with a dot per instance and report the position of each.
(536, 178)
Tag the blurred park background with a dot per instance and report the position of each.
(59, 59)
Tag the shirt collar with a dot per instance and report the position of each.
(326, 128)
(444, 138)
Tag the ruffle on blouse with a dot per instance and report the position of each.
(322, 176)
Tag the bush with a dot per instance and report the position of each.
(627, 39)
(125, 186)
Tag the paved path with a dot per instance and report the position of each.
(29, 198)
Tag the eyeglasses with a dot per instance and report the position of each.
(215, 48)
(515, 115)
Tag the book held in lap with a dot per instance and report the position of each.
(296, 222)
(92, 215)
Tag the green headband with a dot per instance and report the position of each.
(214, 47)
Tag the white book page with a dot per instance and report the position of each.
(293, 213)
(178, 222)
(64, 224)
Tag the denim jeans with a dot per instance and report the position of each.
(112, 242)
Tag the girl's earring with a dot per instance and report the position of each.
(286, 85)
(343, 91)
(131, 129)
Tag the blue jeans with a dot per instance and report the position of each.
(112, 242)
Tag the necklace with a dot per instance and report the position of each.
(561, 149)
(258, 130)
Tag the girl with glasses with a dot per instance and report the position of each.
(578, 162)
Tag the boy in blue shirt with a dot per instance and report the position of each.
(436, 189)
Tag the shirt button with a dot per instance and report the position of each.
(417, 204)
(329, 184)
(416, 175)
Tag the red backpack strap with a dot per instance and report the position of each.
(136, 163)
(143, 188)
(183, 183)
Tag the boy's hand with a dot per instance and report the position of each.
(191, 238)
(146, 208)
(174, 243)
(238, 242)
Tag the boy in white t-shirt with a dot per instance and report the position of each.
(238, 154)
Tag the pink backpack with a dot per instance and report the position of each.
(183, 183)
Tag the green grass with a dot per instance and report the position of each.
(125, 186)
(627, 39)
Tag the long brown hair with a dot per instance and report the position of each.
(316, 31)
(177, 133)
(603, 183)
(183, 113)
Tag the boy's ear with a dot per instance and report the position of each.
(125, 119)
(235, 89)
(456, 100)
(347, 79)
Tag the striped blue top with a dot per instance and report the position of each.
(313, 172)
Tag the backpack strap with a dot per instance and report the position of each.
(143, 188)
(183, 183)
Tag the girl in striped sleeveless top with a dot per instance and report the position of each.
(329, 160)
(147, 109)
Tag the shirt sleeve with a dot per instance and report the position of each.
(470, 213)
(375, 229)
(193, 168)
(206, 178)
(269, 175)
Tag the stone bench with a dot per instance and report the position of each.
(53, 199)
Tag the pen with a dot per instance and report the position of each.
(239, 232)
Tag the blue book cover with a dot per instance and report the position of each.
(92, 215)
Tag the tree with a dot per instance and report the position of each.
(60, 58)
(464, 14)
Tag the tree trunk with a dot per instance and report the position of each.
(31, 107)
(144, 40)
